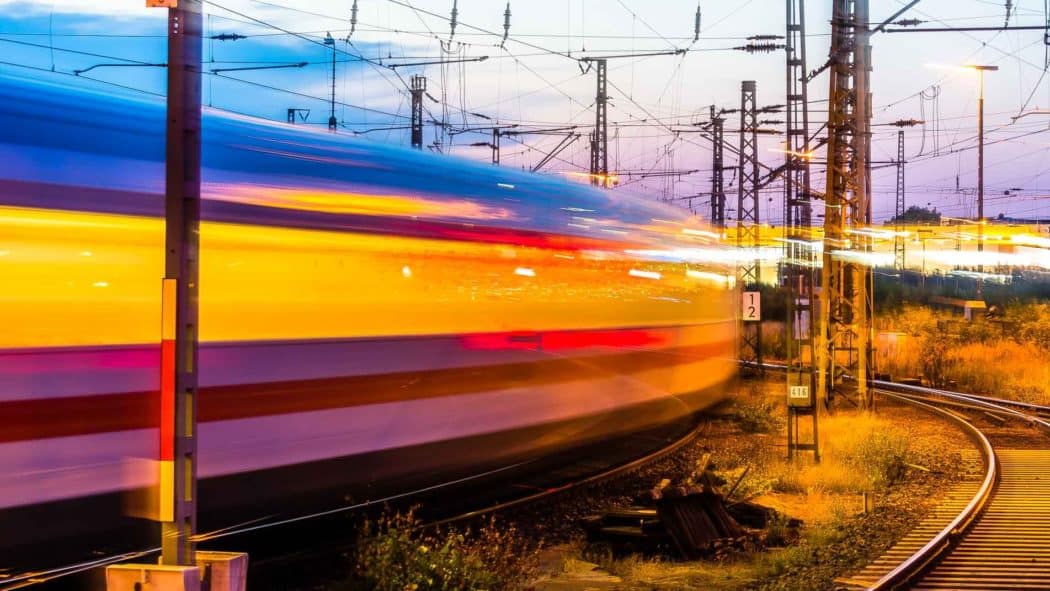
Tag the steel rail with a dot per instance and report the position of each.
(985, 402)
(21, 580)
(911, 568)
(943, 541)
(1035, 408)
(997, 548)
(592, 479)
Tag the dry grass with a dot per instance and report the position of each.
(979, 358)
(862, 453)
(655, 573)
(1014, 370)
(859, 451)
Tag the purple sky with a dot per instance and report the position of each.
(527, 83)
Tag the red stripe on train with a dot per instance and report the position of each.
(80, 415)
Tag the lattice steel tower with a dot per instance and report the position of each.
(844, 347)
(600, 137)
(718, 188)
(898, 221)
(419, 87)
(747, 218)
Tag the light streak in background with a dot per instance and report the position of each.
(944, 249)
(805, 155)
(766, 254)
(607, 180)
(721, 280)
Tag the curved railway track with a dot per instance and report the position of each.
(992, 535)
(578, 470)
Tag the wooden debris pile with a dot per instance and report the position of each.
(693, 520)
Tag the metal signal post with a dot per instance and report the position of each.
(179, 329)
(799, 267)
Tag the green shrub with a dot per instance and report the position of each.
(395, 553)
(758, 417)
(881, 455)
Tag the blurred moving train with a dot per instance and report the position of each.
(371, 317)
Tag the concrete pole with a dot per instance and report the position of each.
(179, 332)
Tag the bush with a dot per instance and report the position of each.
(758, 417)
(395, 554)
(881, 455)
(933, 359)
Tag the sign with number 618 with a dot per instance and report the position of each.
(752, 306)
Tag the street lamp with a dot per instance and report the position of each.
(980, 169)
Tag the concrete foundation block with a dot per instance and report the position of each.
(227, 571)
(152, 577)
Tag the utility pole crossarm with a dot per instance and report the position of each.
(564, 143)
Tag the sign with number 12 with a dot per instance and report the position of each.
(752, 306)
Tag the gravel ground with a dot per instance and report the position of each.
(837, 538)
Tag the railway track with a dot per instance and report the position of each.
(989, 536)
(576, 472)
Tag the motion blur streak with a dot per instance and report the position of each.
(373, 319)
(340, 202)
(281, 283)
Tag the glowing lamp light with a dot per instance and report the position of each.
(525, 272)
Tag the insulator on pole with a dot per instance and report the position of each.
(759, 47)
(452, 21)
(696, 24)
(506, 24)
(353, 20)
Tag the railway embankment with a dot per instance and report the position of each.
(881, 474)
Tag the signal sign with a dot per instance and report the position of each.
(752, 306)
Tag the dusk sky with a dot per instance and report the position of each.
(534, 81)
